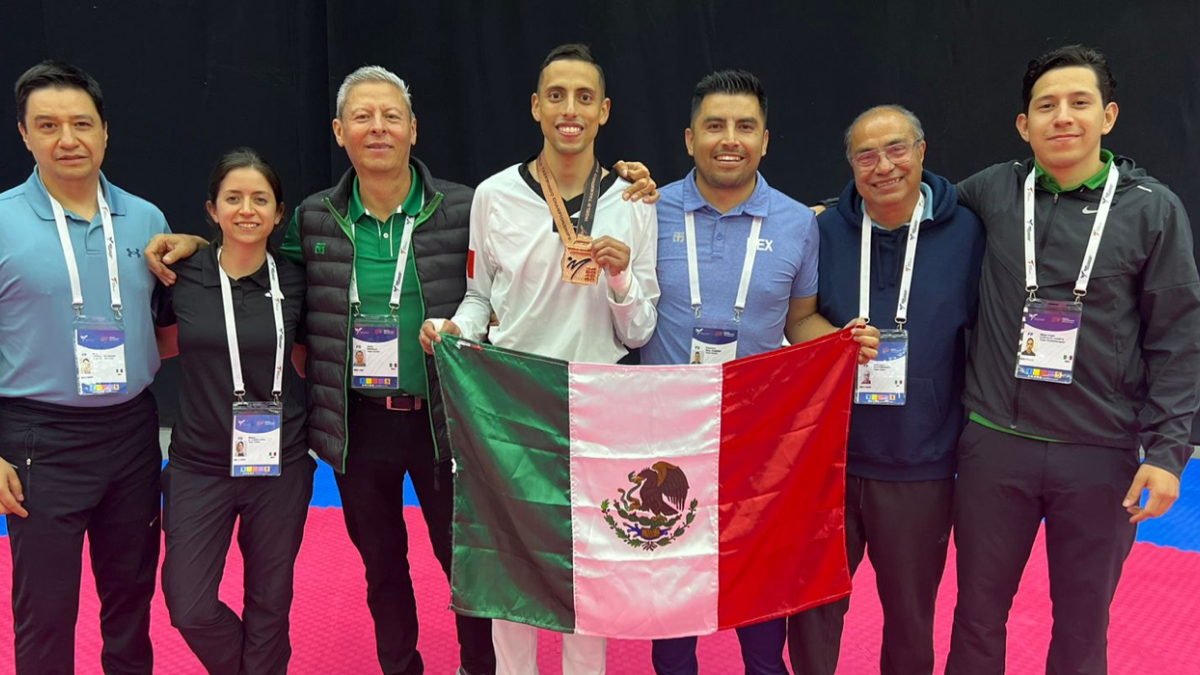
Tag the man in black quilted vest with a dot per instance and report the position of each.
(383, 249)
(384, 246)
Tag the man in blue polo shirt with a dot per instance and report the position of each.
(77, 352)
(722, 299)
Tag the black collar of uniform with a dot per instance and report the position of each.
(573, 204)
(210, 271)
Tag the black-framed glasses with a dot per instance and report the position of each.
(897, 153)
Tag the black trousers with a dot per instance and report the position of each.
(905, 529)
(1006, 486)
(199, 512)
(92, 470)
(384, 445)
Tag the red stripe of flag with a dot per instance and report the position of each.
(782, 541)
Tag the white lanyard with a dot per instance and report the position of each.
(235, 358)
(747, 265)
(110, 253)
(1089, 256)
(401, 265)
(910, 257)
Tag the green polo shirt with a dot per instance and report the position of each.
(1096, 182)
(1048, 182)
(376, 249)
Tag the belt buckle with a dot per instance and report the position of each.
(404, 403)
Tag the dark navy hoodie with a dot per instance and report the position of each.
(916, 441)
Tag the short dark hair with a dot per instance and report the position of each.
(242, 158)
(729, 82)
(57, 75)
(571, 52)
(1066, 57)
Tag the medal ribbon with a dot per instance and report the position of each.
(558, 208)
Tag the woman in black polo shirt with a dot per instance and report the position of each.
(238, 450)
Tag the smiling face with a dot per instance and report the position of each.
(1066, 119)
(570, 106)
(728, 139)
(376, 128)
(246, 209)
(62, 129)
(889, 182)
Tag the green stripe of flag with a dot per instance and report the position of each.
(512, 510)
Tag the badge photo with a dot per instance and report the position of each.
(375, 352)
(100, 356)
(711, 345)
(256, 439)
(882, 381)
(1049, 332)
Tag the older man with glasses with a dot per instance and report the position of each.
(908, 414)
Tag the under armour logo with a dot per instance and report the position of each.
(765, 245)
(679, 238)
(133, 252)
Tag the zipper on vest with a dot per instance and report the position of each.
(337, 217)
(426, 214)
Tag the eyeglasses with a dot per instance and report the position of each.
(897, 153)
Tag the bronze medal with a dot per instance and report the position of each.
(578, 267)
(577, 264)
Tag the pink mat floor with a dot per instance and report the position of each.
(1153, 622)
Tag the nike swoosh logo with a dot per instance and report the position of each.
(1090, 212)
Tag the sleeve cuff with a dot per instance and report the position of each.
(619, 285)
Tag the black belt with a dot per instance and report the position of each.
(403, 403)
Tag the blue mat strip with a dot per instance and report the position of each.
(1179, 529)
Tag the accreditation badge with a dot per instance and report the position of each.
(883, 380)
(713, 345)
(375, 352)
(100, 356)
(578, 267)
(257, 435)
(1049, 331)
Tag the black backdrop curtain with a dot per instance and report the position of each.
(186, 80)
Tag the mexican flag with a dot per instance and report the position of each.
(647, 501)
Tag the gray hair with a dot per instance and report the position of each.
(917, 129)
(371, 74)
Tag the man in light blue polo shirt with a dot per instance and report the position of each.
(730, 300)
(77, 352)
